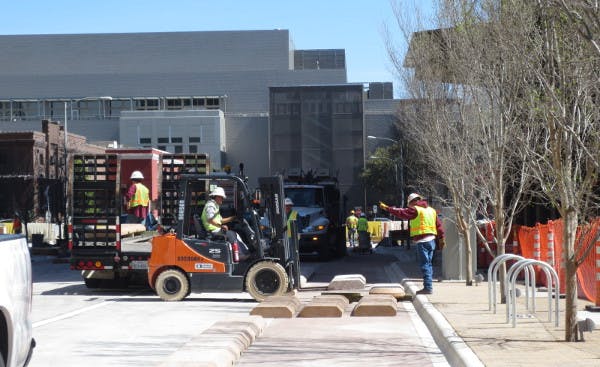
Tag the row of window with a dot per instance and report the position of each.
(294, 108)
(175, 148)
(99, 108)
(175, 140)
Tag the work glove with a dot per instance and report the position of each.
(441, 243)
(383, 206)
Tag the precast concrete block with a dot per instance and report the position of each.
(352, 296)
(277, 307)
(394, 289)
(325, 306)
(376, 305)
(346, 282)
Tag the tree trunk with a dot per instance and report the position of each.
(571, 277)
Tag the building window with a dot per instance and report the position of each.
(178, 149)
(212, 103)
(177, 103)
(146, 104)
(163, 140)
(193, 148)
(194, 139)
(198, 102)
(162, 147)
(176, 140)
(145, 140)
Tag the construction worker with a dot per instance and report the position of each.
(138, 198)
(214, 223)
(351, 223)
(291, 215)
(425, 227)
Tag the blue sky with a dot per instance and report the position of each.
(355, 25)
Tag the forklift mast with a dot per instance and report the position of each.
(271, 189)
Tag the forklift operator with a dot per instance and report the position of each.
(214, 223)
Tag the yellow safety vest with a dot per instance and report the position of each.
(141, 196)
(351, 221)
(208, 225)
(293, 215)
(424, 223)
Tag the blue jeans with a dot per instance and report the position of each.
(425, 256)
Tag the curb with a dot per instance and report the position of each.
(456, 351)
(220, 345)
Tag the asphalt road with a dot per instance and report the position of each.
(76, 326)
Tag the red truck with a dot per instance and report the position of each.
(108, 251)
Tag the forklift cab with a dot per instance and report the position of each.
(188, 258)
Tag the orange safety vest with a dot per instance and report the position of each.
(141, 196)
(424, 223)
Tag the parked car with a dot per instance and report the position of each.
(16, 340)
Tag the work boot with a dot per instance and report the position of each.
(425, 291)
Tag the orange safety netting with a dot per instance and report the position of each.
(586, 273)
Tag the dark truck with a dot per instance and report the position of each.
(108, 251)
(320, 221)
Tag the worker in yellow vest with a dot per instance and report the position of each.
(291, 214)
(138, 199)
(351, 223)
(425, 227)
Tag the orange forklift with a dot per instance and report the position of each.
(185, 258)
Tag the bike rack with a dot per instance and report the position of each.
(552, 278)
(493, 277)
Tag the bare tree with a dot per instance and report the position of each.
(565, 112)
(474, 112)
(585, 16)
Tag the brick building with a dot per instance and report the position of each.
(32, 169)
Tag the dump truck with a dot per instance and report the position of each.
(108, 251)
(187, 259)
(320, 221)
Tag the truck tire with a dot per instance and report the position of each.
(172, 285)
(266, 278)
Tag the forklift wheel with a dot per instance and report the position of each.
(266, 279)
(172, 285)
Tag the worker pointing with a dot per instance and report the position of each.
(425, 226)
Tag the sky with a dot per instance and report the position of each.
(354, 25)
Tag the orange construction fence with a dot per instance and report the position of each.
(544, 242)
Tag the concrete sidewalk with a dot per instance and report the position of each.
(470, 334)
(466, 332)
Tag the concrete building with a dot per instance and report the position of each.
(180, 92)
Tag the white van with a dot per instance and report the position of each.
(16, 340)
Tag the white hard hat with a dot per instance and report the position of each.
(413, 196)
(288, 201)
(218, 191)
(137, 175)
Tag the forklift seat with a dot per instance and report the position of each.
(202, 233)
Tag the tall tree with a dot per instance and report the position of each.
(565, 112)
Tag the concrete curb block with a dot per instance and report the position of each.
(456, 351)
(220, 345)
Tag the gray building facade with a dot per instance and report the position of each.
(181, 91)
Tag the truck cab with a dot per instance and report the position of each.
(316, 199)
(16, 340)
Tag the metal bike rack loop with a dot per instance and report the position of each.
(553, 283)
(493, 276)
